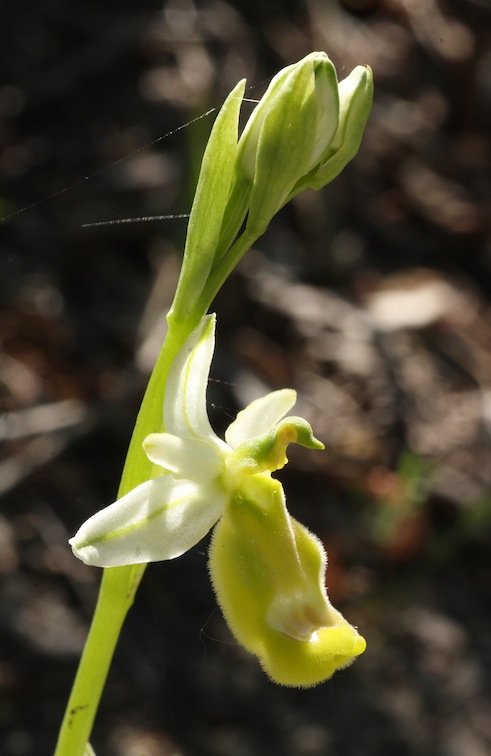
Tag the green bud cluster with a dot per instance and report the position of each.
(305, 129)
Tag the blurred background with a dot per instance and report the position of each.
(370, 298)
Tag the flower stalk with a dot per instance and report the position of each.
(179, 478)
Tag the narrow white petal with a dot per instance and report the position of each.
(260, 416)
(185, 394)
(192, 458)
(160, 519)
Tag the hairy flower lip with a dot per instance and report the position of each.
(300, 619)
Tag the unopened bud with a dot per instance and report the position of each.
(355, 102)
(306, 128)
(287, 134)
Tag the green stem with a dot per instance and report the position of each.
(116, 595)
(119, 584)
(223, 269)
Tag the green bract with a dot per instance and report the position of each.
(267, 569)
(210, 201)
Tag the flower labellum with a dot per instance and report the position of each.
(266, 568)
(268, 573)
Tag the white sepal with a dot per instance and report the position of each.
(185, 394)
(160, 519)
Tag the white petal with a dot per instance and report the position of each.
(190, 458)
(260, 416)
(185, 394)
(160, 519)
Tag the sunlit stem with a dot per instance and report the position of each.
(223, 269)
(119, 584)
(116, 595)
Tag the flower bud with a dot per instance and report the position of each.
(306, 128)
(287, 134)
(355, 102)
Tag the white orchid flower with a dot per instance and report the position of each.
(266, 568)
(167, 515)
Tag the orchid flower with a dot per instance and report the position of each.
(266, 568)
